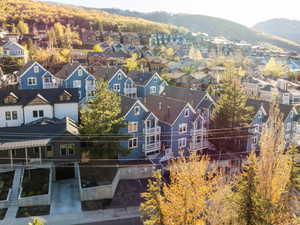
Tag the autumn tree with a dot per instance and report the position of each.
(132, 63)
(22, 27)
(101, 122)
(184, 200)
(97, 48)
(273, 69)
(37, 221)
(195, 54)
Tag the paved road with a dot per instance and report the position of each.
(133, 221)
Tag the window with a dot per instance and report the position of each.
(67, 149)
(116, 87)
(64, 97)
(31, 81)
(7, 115)
(183, 128)
(36, 69)
(254, 140)
(37, 113)
(14, 115)
(10, 100)
(132, 143)
(91, 93)
(289, 126)
(132, 126)
(119, 76)
(182, 142)
(152, 90)
(80, 72)
(137, 110)
(259, 115)
(90, 83)
(198, 139)
(186, 112)
(47, 79)
(76, 83)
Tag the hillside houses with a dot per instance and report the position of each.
(14, 50)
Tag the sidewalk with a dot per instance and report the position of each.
(81, 218)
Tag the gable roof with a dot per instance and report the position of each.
(25, 96)
(165, 108)
(105, 73)
(126, 104)
(25, 67)
(184, 94)
(67, 70)
(139, 77)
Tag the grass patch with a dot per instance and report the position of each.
(41, 210)
(35, 182)
(6, 180)
(95, 176)
(2, 213)
(95, 204)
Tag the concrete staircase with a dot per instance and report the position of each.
(13, 199)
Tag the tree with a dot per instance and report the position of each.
(37, 221)
(131, 63)
(195, 54)
(273, 69)
(171, 81)
(231, 110)
(22, 27)
(101, 122)
(97, 48)
(184, 200)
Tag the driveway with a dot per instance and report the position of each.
(65, 197)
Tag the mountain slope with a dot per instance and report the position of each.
(289, 29)
(212, 26)
(36, 13)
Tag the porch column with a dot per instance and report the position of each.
(40, 153)
(26, 155)
(11, 158)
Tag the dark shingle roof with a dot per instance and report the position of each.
(184, 94)
(166, 109)
(126, 104)
(105, 73)
(140, 78)
(51, 95)
(24, 68)
(67, 70)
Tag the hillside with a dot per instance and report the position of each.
(289, 29)
(42, 14)
(212, 26)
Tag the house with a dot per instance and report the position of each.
(34, 76)
(143, 129)
(44, 140)
(182, 127)
(260, 116)
(13, 49)
(18, 107)
(74, 75)
(107, 58)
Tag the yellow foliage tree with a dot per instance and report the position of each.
(132, 63)
(274, 69)
(97, 48)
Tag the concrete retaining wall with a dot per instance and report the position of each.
(37, 199)
(108, 191)
(5, 203)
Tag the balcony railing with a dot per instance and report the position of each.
(200, 145)
(91, 87)
(153, 130)
(130, 90)
(50, 85)
(195, 132)
(148, 148)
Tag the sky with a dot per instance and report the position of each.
(246, 12)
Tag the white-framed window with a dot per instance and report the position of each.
(91, 83)
(132, 126)
(76, 83)
(182, 128)
(182, 142)
(91, 93)
(67, 149)
(37, 113)
(36, 69)
(47, 79)
(117, 87)
(289, 126)
(152, 90)
(254, 140)
(7, 115)
(14, 115)
(259, 114)
(186, 112)
(31, 81)
(155, 78)
(119, 76)
(137, 110)
(80, 72)
(132, 143)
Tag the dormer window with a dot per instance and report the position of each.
(10, 99)
(152, 90)
(186, 112)
(119, 76)
(80, 72)
(137, 110)
(31, 81)
(65, 97)
(36, 69)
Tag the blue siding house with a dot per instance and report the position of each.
(143, 129)
(14, 50)
(35, 76)
(76, 76)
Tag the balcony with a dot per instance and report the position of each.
(197, 132)
(196, 146)
(152, 130)
(90, 87)
(149, 148)
(132, 90)
(50, 85)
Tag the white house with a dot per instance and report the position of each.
(18, 107)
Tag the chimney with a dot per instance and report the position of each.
(159, 106)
